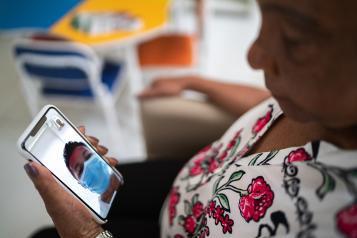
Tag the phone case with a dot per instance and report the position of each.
(28, 155)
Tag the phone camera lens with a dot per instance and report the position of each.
(59, 123)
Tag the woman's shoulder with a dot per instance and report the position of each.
(223, 190)
(256, 121)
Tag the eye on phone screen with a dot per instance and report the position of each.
(59, 147)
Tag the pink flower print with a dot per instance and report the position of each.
(204, 233)
(173, 201)
(205, 230)
(223, 155)
(196, 169)
(174, 196)
(227, 224)
(243, 151)
(205, 162)
(211, 208)
(230, 145)
(233, 142)
(197, 210)
(178, 236)
(298, 155)
(213, 165)
(218, 215)
(259, 199)
(190, 224)
(195, 221)
(262, 121)
(347, 221)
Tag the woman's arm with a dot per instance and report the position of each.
(234, 98)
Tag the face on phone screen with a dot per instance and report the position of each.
(58, 146)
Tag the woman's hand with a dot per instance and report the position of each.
(70, 217)
(166, 87)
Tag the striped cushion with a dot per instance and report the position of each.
(110, 76)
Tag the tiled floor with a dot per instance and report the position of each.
(21, 210)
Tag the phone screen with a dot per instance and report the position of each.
(59, 147)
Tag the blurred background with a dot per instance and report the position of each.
(117, 48)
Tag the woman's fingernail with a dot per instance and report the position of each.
(82, 128)
(30, 170)
(102, 148)
(113, 161)
(94, 138)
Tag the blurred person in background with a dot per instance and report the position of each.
(285, 168)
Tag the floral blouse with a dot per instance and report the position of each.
(305, 191)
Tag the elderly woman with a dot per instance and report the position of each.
(288, 166)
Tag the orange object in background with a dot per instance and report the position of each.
(170, 50)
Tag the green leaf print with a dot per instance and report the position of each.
(233, 151)
(181, 220)
(216, 183)
(223, 200)
(194, 199)
(236, 176)
(254, 160)
(271, 155)
(327, 186)
(188, 207)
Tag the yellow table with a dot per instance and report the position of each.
(152, 13)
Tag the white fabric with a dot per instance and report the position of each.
(306, 191)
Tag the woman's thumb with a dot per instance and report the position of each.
(40, 176)
(31, 171)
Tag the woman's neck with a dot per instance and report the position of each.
(345, 138)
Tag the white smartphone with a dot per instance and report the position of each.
(53, 141)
